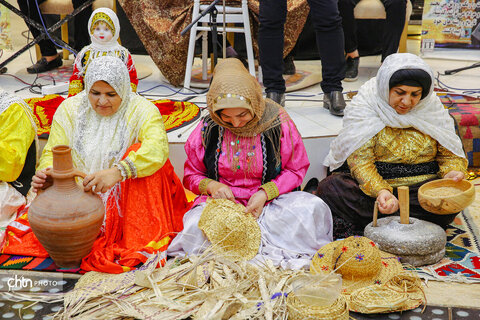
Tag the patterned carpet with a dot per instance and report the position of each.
(176, 114)
(462, 259)
(466, 111)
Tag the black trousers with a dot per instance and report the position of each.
(396, 11)
(81, 34)
(329, 35)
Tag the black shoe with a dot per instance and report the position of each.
(42, 65)
(311, 186)
(334, 102)
(289, 66)
(351, 71)
(277, 97)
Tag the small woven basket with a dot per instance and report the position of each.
(300, 311)
(402, 292)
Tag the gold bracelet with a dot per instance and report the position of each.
(271, 190)
(202, 187)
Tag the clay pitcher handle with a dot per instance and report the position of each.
(78, 173)
(404, 204)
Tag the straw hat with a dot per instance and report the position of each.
(402, 292)
(232, 232)
(300, 311)
(358, 260)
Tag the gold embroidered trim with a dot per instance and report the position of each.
(232, 95)
(102, 17)
(75, 86)
(122, 170)
(202, 187)
(271, 189)
(127, 168)
(134, 87)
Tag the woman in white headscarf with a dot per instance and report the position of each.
(104, 30)
(118, 139)
(395, 132)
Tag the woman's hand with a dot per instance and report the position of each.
(42, 179)
(387, 202)
(102, 180)
(219, 191)
(256, 203)
(455, 175)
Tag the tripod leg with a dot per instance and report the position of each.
(214, 36)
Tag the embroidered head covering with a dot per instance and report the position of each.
(369, 112)
(100, 48)
(413, 78)
(232, 84)
(97, 141)
(108, 17)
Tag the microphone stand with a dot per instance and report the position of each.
(213, 11)
(449, 72)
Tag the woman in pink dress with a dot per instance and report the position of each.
(248, 150)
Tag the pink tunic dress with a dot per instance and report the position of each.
(244, 183)
(294, 225)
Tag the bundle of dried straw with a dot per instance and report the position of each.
(200, 287)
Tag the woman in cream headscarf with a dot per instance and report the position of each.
(118, 139)
(395, 132)
(248, 150)
(104, 30)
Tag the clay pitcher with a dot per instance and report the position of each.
(65, 219)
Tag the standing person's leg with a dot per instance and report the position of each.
(50, 59)
(396, 11)
(328, 28)
(81, 35)
(273, 14)
(349, 24)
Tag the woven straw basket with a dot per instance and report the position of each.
(300, 311)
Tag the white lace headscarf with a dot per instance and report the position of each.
(102, 48)
(98, 142)
(369, 112)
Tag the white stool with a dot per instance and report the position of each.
(232, 15)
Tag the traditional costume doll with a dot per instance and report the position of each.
(104, 30)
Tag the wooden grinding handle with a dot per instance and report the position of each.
(404, 204)
(375, 214)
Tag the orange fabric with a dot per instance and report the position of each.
(152, 211)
